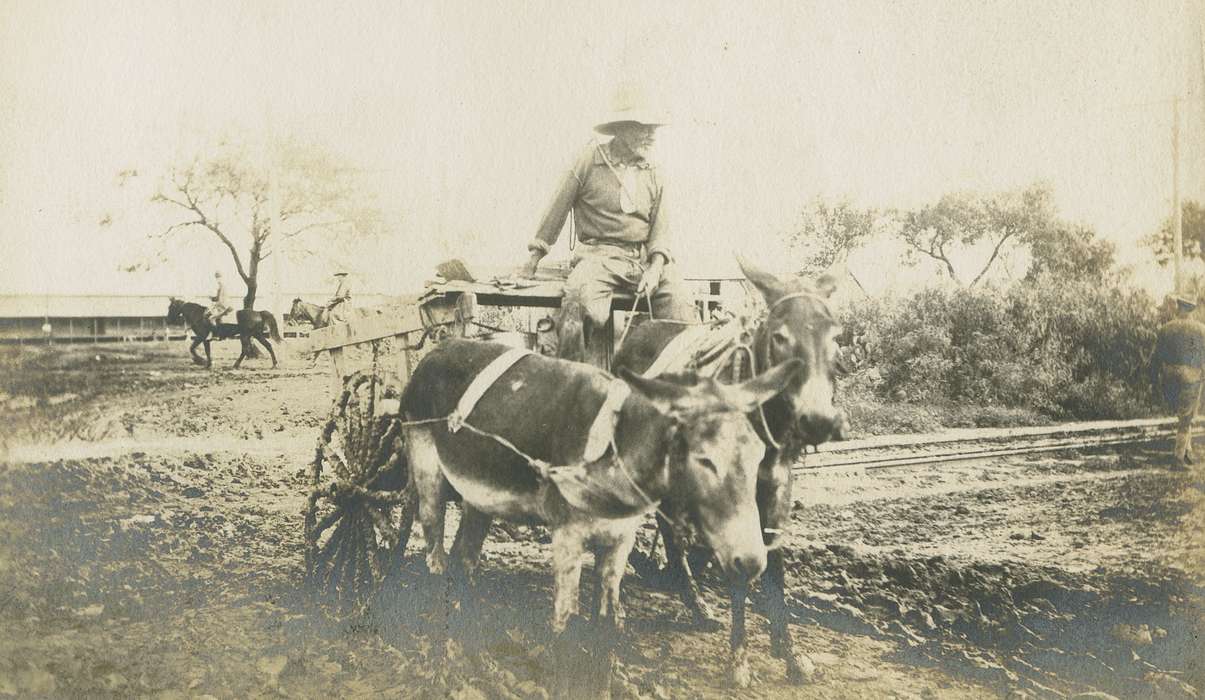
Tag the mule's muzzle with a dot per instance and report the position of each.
(817, 428)
(746, 567)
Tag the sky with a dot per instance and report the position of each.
(463, 116)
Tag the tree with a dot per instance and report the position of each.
(962, 221)
(1069, 252)
(229, 196)
(830, 232)
(1192, 232)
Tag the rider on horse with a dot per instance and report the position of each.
(342, 293)
(219, 308)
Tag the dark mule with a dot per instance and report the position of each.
(251, 324)
(798, 327)
(1177, 375)
(628, 444)
(314, 314)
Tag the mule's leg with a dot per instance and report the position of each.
(568, 545)
(570, 634)
(610, 561)
(782, 646)
(683, 577)
(740, 673)
(466, 550)
(428, 481)
(264, 342)
(774, 507)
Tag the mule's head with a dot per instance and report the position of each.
(714, 459)
(799, 325)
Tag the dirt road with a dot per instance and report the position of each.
(150, 545)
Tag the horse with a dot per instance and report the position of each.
(798, 327)
(316, 315)
(250, 324)
(1177, 373)
(628, 442)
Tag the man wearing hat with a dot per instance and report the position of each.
(342, 294)
(617, 197)
(1177, 372)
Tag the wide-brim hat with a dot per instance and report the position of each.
(631, 105)
(340, 274)
(646, 117)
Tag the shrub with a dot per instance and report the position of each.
(1068, 349)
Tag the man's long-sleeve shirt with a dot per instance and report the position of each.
(592, 192)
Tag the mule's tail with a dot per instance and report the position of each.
(273, 330)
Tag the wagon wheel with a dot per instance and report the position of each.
(359, 513)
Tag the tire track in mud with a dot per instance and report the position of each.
(1066, 574)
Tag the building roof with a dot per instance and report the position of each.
(129, 305)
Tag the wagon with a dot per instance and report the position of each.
(359, 514)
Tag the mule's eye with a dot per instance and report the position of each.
(780, 338)
(710, 465)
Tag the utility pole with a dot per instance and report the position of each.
(1177, 233)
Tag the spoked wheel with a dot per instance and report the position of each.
(359, 513)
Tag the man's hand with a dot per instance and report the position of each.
(529, 269)
(652, 276)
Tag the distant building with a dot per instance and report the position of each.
(84, 318)
(80, 318)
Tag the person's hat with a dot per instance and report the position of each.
(629, 104)
(1183, 303)
(340, 274)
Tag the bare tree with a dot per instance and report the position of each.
(229, 195)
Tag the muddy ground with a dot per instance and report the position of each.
(150, 545)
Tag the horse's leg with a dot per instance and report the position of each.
(244, 349)
(740, 673)
(264, 342)
(192, 350)
(683, 577)
(208, 356)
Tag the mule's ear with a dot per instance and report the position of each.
(771, 287)
(826, 284)
(763, 387)
(662, 394)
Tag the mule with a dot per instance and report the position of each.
(250, 324)
(798, 327)
(629, 444)
(1177, 373)
(316, 315)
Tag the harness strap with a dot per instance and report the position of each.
(602, 430)
(677, 352)
(481, 384)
